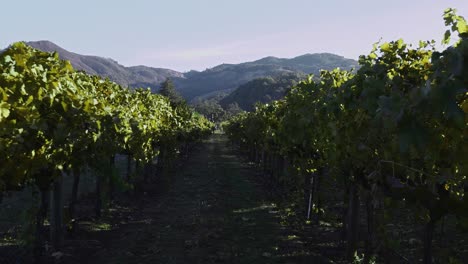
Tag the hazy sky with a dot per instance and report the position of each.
(199, 34)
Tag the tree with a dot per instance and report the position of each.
(232, 110)
(168, 90)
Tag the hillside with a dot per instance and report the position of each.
(135, 76)
(227, 77)
(263, 90)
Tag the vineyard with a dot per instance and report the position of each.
(56, 122)
(390, 139)
(368, 165)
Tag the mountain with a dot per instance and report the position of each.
(227, 77)
(263, 90)
(221, 79)
(311, 63)
(135, 76)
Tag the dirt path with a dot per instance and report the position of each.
(214, 212)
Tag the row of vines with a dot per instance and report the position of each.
(395, 130)
(56, 121)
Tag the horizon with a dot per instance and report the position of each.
(185, 36)
(211, 67)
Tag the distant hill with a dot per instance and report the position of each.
(135, 76)
(311, 63)
(227, 77)
(263, 90)
(221, 79)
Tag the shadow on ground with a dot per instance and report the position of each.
(214, 212)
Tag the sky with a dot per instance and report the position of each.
(188, 35)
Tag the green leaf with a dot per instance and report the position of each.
(400, 43)
(4, 110)
(30, 100)
(64, 106)
(87, 106)
(13, 72)
(422, 44)
(23, 90)
(385, 47)
(8, 58)
(446, 39)
(40, 92)
(462, 27)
